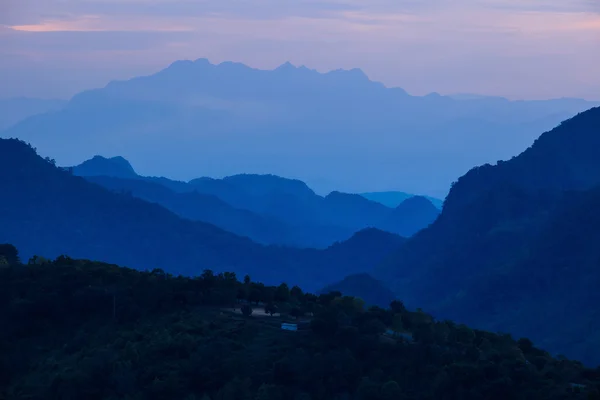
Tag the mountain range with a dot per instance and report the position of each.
(514, 248)
(266, 208)
(229, 118)
(47, 211)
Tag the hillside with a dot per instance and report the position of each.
(229, 118)
(211, 209)
(267, 208)
(363, 248)
(47, 211)
(364, 286)
(413, 214)
(487, 260)
(87, 330)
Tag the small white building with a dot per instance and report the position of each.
(295, 326)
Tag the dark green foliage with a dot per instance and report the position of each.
(74, 329)
(270, 308)
(9, 255)
(246, 310)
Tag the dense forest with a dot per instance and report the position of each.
(77, 329)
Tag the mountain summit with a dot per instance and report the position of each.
(117, 167)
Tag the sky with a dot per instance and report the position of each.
(528, 49)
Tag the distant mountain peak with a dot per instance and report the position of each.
(286, 66)
(98, 165)
(267, 183)
(354, 73)
(202, 61)
(181, 64)
(232, 65)
(417, 202)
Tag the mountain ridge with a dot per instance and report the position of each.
(47, 211)
(268, 208)
(175, 122)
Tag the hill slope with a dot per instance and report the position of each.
(14, 110)
(480, 259)
(413, 214)
(209, 208)
(267, 208)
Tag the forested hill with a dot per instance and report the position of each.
(76, 329)
(269, 209)
(481, 261)
(565, 158)
(46, 211)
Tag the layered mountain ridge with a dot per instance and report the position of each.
(193, 115)
(267, 208)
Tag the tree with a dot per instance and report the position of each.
(38, 260)
(247, 280)
(359, 304)
(208, 276)
(296, 293)
(270, 309)
(326, 298)
(397, 325)
(255, 295)
(282, 294)
(247, 310)
(397, 307)
(525, 345)
(10, 254)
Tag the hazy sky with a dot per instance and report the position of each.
(516, 48)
